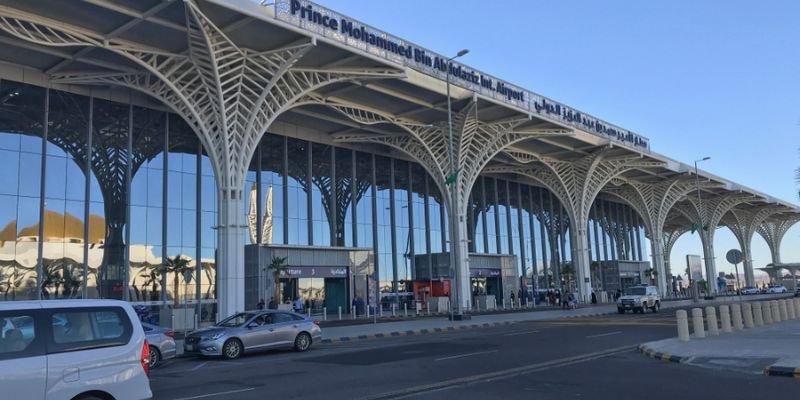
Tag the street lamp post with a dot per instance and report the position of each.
(454, 233)
(695, 289)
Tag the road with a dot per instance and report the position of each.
(558, 359)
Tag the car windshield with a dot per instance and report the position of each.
(235, 320)
(635, 291)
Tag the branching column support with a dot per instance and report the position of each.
(773, 230)
(653, 203)
(710, 214)
(475, 143)
(671, 236)
(576, 183)
(229, 94)
(743, 224)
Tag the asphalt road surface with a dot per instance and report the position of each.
(592, 358)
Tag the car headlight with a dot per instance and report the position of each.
(214, 336)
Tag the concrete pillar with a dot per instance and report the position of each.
(747, 314)
(708, 258)
(797, 306)
(776, 313)
(783, 311)
(736, 316)
(580, 258)
(725, 318)
(790, 308)
(683, 325)
(758, 318)
(231, 234)
(697, 323)
(657, 250)
(767, 311)
(747, 265)
(711, 320)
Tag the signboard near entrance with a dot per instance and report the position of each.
(694, 263)
(315, 272)
(484, 272)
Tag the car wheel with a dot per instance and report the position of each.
(232, 349)
(90, 398)
(302, 342)
(621, 310)
(644, 308)
(155, 357)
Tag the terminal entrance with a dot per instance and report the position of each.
(316, 294)
(487, 286)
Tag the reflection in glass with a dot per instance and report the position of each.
(21, 131)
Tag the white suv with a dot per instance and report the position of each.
(72, 349)
(639, 299)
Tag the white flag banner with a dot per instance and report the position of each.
(266, 230)
(252, 214)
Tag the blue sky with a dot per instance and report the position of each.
(710, 78)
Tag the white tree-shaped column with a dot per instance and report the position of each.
(743, 224)
(475, 143)
(773, 230)
(653, 203)
(576, 183)
(229, 94)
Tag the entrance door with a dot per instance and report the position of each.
(336, 294)
(493, 288)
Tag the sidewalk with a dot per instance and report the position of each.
(769, 349)
(363, 331)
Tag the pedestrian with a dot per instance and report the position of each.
(594, 298)
(260, 304)
(298, 306)
(272, 305)
(618, 294)
(565, 300)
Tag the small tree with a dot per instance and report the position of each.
(177, 266)
(278, 267)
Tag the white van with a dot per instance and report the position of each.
(72, 349)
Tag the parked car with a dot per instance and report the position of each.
(776, 289)
(73, 349)
(750, 290)
(254, 331)
(162, 343)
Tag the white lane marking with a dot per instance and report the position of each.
(520, 333)
(198, 366)
(604, 334)
(203, 396)
(465, 355)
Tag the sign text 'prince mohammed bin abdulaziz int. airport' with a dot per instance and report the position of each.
(327, 23)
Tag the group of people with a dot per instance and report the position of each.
(297, 304)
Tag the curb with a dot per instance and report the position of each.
(660, 356)
(425, 331)
(787, 372)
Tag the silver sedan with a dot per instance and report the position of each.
(254, 331)
(161, 341)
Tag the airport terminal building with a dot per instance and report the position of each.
(231, 133)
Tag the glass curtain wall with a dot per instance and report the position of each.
(101, 226)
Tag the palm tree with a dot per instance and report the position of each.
(278, 268)
(178, 266)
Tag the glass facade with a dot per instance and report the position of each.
(102, 225)
(95, 195)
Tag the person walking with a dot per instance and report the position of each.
(594, 298)
(272, 305)
(260, 304)
(298, 306)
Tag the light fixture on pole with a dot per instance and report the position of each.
(451, 180)
(700, 227)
